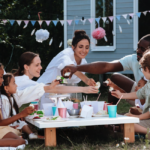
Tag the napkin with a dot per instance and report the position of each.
(68, 104)
(48, 109)
(87, 111)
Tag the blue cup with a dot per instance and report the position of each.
(54, 108)
(112, 111)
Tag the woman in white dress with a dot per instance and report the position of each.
(30, 66)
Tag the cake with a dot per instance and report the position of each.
(98, 84)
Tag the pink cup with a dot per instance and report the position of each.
(105, 107)
(75, 105)
(62, 112)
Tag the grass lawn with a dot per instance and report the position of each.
(98, 138)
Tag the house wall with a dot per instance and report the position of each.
(124, 41)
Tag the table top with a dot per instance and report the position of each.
(85, 121)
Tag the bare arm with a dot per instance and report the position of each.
(118, 94)
(94, 68)
(73, 89)
(142, 116)
(12, 119)
(85, 79)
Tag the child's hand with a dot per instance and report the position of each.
(53, 84)
(15, 127)
(135, 111)
(90, 89)
(27, 111)
(117, 93)
(90, 82)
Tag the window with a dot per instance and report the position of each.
(142, 24)
(99, 9)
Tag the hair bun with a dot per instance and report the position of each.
(79, 32)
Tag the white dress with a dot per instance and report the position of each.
(6, 108)
(64, 58)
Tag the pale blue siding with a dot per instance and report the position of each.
(124, 41)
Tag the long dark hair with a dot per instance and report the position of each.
(78, 36)
(7, 78)
(25, 59)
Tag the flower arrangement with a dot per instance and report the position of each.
(69, 42)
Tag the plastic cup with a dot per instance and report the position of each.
(112, 111)
(62, 112)
(54, 108)
(36, 105)
(75, 105)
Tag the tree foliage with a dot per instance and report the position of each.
(21, 39)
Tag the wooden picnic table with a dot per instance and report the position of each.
(127, 126)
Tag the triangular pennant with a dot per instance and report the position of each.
(111, 18)
(12, 22)
(69, 22)
(40, 22)
(47, 22)
(138, 14)
(55, 22)
(90, 20)
(26, 22)
(76, 21)
(19, 22)
(125, 16)
(33, 22)
(97, 20)
(131, 15)
(118, 17)
(4, 21)
(83, 21)
(104, 18)
(62, 22)
(145, 12)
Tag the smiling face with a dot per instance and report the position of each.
(34, 69)
(12, 87)
(142, 47)
(1, 76)
(82, 49)
(141, 83)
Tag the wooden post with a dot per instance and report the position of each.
(129, 133)
(50, 137)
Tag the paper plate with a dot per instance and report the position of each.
(96, 115)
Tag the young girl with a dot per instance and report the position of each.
(142, 93)
(8, 136)
(10, 107)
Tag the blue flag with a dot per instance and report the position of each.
(138, 14)
(97, 20)
(76, 21)
(33, 22)
(55, 22)
(118, 17)
(12, 22)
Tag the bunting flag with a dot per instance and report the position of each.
(62, 22)
(132, 14)
(138, 14)
(111, 18)
(76, 21)
(33, 22)
(55, 22)
(145, 12)
(11, 22)
(104, 19)
(47, 22)
(90, 20)
(4, 21)
(118, 17)
(125, 16)
(19, 22)
(26, 22)
(69, 22)
(40, 22)
(97, 20)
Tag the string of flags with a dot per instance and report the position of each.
(83, 20)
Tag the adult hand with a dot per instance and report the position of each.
(90, 82)
(117, 93)
(27, 111)
(72, 69)
(90, 89)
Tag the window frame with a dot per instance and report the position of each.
(103, 48)
(135, 25)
